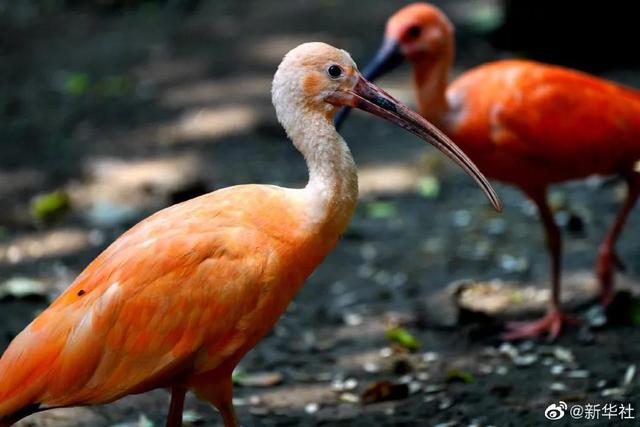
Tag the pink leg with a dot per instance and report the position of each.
(552, 322)
(607, 257)
(174, 419)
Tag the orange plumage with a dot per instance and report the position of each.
(182, 295)
(179, 299)
(524, 123)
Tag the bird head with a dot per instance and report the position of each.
(314, 80)
(419, 33)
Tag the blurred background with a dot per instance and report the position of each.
(113, 109)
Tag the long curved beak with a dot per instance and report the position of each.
(388, 58)
(368, 97)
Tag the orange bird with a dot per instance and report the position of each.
(523, 123)
(179, 299)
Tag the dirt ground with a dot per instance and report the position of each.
(129, 111)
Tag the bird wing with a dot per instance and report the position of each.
(148, 309)
(553, 116)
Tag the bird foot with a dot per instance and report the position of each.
(550, 324)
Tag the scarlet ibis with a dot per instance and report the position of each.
(179, 299)
(524, 123)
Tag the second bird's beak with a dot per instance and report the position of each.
(388, 58)
(368, 97)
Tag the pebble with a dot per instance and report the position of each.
(414, 387)
(386, 352)
(508, 349)
(371, 367)
(349, 398)
(445, 403)
(558, 387)
(353, 319)
(579, 374)
(311, 408)
(525, 360)
(433, 388)
(350, 384)
(430, 356)
(502, 370)
(423, 376)
(485, 369)
(629, 375)
(557, 370)
(613, 392)
(564, 355)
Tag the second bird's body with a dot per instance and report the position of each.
(524, 123)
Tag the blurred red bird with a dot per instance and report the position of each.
(523, 123)
(179, 299)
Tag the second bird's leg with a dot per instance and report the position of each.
(551, 323)
(176, 407)
(607, 257)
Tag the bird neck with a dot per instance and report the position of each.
(332, 191)
(430, 76)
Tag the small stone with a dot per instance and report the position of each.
(508, 349)
(353, 319)
(525, 360)
(371, 367)
(629, 375)
(386, 352)
(414, 387)
(445, 403)
(557, 370)
(423, 376)
(430, 356)
(311, 408)
(350, 384)
(564, 355)
(613, 392)
(433, 388)
(485, 369)
(502, 370)
(558, 387)
(349, 398)
(578, 374)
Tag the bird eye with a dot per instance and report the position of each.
(413, 32)
(334, 71)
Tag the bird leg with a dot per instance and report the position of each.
(216, 387)
(607, 258)
(174, 419)
(552, 322)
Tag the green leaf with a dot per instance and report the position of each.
(47, 207)
(429, 187)
(113, 86)
(403, 337)
(454, 375)
(635, 312)
(381, 210)
(76, 84)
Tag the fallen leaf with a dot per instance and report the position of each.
(429, 187)
(50, 206)
(381, 210)
(459, 375)
(384, 390)
(403, 337)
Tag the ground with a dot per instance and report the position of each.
(129, 111)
